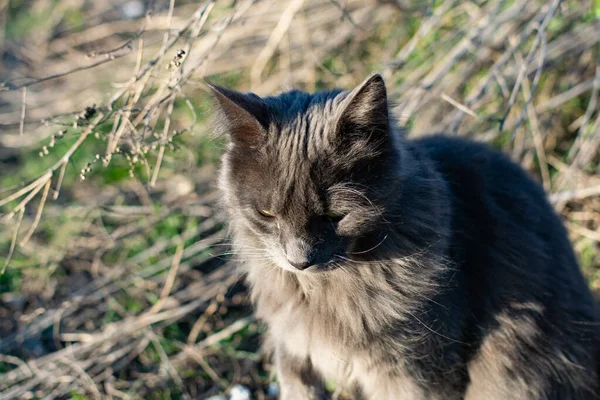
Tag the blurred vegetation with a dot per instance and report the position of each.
(117, 281)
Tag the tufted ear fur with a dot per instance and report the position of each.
(365, 110)
(243, 116)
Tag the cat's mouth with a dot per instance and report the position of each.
(334, 262)
(321, 261)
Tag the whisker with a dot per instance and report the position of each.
(373, 248)
(366, 262)
(434, 331)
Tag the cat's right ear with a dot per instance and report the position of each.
(244, 117)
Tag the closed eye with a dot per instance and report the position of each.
(266, 213)
(335, 216)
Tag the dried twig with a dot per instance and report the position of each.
(582, 231)
(7, 86)
(38, 214)
(457, 63)
(539, 39)
(274, 40)
(169, 281)
(13, 241)
(577, 194)
(23, 108)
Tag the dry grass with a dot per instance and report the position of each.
(117, 282)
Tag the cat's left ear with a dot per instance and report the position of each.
(365, 109)
(244, 116)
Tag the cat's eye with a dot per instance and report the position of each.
(266, 213)
(335, 216)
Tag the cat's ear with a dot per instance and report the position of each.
(243, 116)
(365, 109)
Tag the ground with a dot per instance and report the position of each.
(117, 277)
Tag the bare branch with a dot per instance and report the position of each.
(13, 241)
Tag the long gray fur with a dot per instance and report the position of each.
(401, 269)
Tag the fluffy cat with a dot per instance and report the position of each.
(401, 269)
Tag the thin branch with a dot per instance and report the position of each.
(576, 194)
(212, 308)
(214, 338)
(582, 231)
(13, 241)
(9, 86)
(591, 107)
(165, 134)
(538, 141)
(23, 109)
(274, 40)
(461, 107)
(61, 176)
(197, 357)
(38, 215)
(539, 38)
(27, 199)
(164, 359)
(530, 91)
(346, 14)
(429, 21)
(26, 189)
(169, 281)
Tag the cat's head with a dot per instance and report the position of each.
(306, 174)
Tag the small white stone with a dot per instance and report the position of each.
(239, 392)
(133, 9)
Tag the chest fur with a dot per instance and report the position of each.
(337, 331)
(345, 365)
(302, 335)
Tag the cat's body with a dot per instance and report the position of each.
(427, 269)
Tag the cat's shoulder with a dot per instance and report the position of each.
(457, 155)
(443, 147)
(474, 169)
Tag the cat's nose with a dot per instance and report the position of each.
(301, 265)
(299, 253)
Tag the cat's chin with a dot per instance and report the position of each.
(320, 267)
(289, 268)
(313, 269)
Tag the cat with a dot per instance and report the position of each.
(431, 268)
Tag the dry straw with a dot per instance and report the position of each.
(522, 74)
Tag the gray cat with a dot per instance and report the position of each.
(400, 269)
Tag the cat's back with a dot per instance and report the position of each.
(501, 217)
(490, 193)
(476, 171)
(518, 271)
